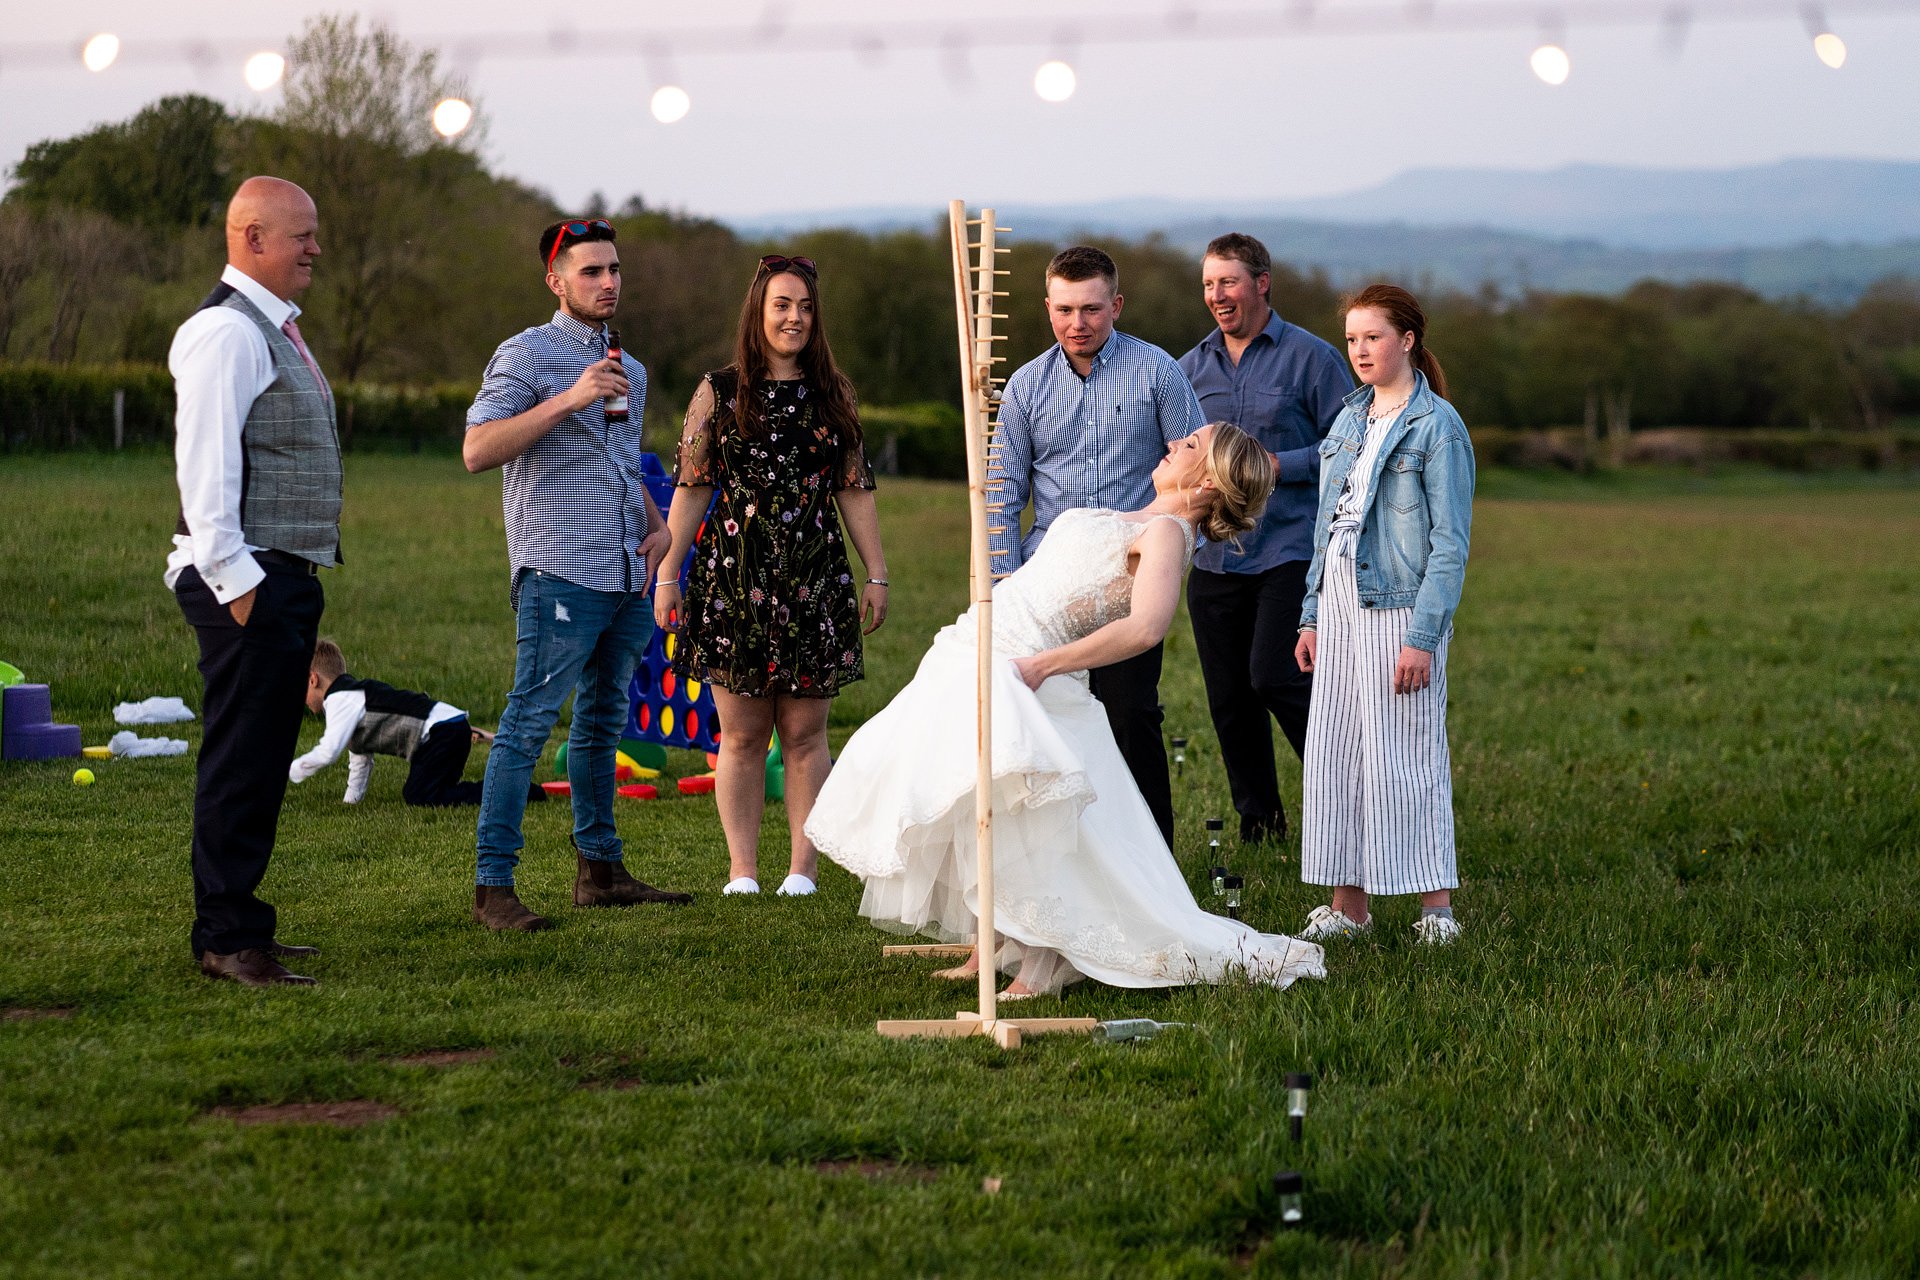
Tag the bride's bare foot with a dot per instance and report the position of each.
(1017, 990)
(961, 973)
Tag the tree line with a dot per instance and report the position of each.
(108, 240)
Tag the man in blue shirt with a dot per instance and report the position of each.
(1084, 425)
(583, 538)
(1284, 387)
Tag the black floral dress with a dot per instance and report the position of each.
(770, 606)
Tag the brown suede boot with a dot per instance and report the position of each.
(499, 907)
(599, 883)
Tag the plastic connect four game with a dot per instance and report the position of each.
(662, 707)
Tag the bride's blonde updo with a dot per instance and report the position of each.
(1242, 472)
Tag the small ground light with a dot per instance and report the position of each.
(1299, 1083)
(263, 71)
(1551, 63)
(1830, 49)
(452, 116)
(1214, 827)
(1288, 1185)
(99, 52)
(1233, 885)
(1179, 756)
(1054, 81)
(670, 104)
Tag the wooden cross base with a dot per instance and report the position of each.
(1006, 1032)
(930, 949)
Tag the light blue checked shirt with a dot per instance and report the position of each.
(575, 500)
(1068, 441)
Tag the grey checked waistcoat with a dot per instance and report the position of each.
(290, 452)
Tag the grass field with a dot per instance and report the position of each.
(1679, 1038)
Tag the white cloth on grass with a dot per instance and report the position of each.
(152, 711)
(131, 745)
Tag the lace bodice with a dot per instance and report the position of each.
(1076, 583)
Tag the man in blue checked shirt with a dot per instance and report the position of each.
(1284, 387)
(1084, 425)
(583, 538)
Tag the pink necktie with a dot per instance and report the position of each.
(292, 331)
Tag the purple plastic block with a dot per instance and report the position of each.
(41, 742)
(25, 706)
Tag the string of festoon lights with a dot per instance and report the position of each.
(262, 66)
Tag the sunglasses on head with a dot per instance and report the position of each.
(570, 231)
(774, 264)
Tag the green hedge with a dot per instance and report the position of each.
(58, 407)
(926, 439)
(47, 407)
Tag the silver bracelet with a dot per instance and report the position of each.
(877, 582)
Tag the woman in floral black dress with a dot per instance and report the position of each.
(771, 618)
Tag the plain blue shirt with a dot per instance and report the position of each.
(1068, 441)
(1286, 392)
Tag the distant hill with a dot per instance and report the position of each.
(1825, 229)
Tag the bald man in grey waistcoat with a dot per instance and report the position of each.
(257, 457)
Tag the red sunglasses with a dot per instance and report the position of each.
(570, 231)
(775, 263)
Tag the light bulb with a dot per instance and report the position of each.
(263, 71)
(1054, 81)
(670, 104)
(100, 52)
(1827, 47)
(452, 116)
(1551, 63)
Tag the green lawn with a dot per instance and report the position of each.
(1678, 1038)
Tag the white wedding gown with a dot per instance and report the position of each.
(1084, 885)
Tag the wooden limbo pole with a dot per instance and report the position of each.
(976, 273)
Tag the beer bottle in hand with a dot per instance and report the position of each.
(616, 405)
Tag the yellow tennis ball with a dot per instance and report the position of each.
(83, 777)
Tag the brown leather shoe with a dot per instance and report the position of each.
(284, 951)
(251, 967)
(498, 907)
(599, 883)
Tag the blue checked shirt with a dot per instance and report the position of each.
(1068, 441)
(575, 501)
(1286, 391)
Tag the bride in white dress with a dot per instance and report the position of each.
(1084, 886)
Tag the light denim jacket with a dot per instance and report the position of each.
(1412, 548)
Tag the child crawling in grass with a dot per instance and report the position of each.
(366, 718)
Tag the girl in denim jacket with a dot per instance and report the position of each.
(1389, 559)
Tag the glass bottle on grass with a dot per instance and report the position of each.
(615, 405)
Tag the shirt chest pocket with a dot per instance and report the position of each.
(1403, 481)
(1277, 419)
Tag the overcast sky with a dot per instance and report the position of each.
(774, 131)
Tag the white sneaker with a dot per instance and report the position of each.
(745, 884)
(1436, 931)
(1324, 924)
(795, 886)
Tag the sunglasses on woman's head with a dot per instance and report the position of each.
(774, 264)
(571, 231)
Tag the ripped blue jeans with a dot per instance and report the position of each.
(572, 640)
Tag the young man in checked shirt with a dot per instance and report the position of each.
(583, 538)
(1084, 425)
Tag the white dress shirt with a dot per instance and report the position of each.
(220, 365)
(344, 711)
